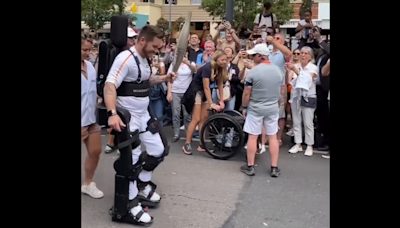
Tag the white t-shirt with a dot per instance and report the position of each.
(310, 68)
(125, 69)
(88, 96)
(155, 69)
(303, 31)
(183, 78)
(264, 20)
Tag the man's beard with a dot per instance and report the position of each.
(147, 54)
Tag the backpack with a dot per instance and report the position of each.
(272, 19)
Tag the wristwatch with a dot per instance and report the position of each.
(111, 113)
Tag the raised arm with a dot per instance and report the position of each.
(326, 70)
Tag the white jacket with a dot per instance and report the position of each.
(300, 86)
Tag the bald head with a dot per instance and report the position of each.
(279, 38)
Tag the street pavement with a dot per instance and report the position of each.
(200, 192)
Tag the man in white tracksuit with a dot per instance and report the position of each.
(129, 67)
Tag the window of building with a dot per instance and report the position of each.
(151, 1)
(196, 2)
(198, 26)
(174, 2)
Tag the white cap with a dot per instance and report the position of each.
(131, 33)
(261, 49)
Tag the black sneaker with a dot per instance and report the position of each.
(175, 138)
(249, 170)
(187, 149)
(323, 148)
(327, 156)
(275, 171)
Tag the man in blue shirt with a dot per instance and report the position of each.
(278, 57)
(206, 57)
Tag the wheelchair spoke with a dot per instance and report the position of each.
(215, 128)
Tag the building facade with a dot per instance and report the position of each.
(156, 9)
(152, 10)
(320, 15)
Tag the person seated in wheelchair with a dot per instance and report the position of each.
(198, 98)
(231, 85)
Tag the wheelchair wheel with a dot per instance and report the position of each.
(232, 112)
(222, 136)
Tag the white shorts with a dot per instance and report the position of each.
(253, 124)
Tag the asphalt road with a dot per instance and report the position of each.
(200, 192)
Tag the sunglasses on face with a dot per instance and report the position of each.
(296, 53)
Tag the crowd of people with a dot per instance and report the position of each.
(250, 71)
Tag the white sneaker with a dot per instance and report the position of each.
(263, 149)
(295, 149)
(145, 192)
(245, 147)
(110, 149)
(92, 190)
(146, 218)
(290, 132)
(182, 127)
(309, 151)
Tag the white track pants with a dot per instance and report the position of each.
(153, 144)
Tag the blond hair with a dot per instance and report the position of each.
(86, 38)
(222, 72)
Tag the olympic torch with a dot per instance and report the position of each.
(182, 43)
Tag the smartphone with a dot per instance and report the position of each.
(222, 34)
(256, 36)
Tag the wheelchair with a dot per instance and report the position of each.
(222, 134)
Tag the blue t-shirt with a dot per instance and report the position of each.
(200, 62)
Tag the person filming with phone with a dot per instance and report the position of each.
(226, 37)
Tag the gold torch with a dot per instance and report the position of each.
(181, 45)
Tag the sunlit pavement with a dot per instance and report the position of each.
(201, 192)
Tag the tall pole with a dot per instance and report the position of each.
(229, 11)
(169, 17)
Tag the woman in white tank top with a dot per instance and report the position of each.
(90, 130)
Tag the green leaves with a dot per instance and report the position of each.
(95, 13)
(162, 23)
(178, 22)
(246, 10)
(284, 10)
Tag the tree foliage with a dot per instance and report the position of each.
(178, 22)
(95, 13)
(306, 5)
(162, 23)
(246, 10)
